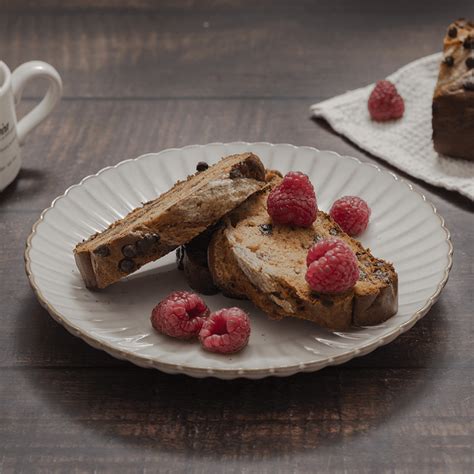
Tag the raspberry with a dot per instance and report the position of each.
(332, 267)
(181, 315)
(226, 331)
(351, 213)
(385, 103)
(293, 201)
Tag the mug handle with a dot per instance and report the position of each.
(20, 78)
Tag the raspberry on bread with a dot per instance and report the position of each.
(332, 267)
(251, 256)
(171, 220)
(293, 201)
(453, 100)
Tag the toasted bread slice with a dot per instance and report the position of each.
(171, 220)
(250, 256)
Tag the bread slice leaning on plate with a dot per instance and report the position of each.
(248, 256)
(173, 219)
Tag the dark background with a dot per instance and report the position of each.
(141, 76)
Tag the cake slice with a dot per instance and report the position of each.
(267, 263)
(171, 220)
(453, 100)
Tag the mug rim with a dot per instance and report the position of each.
(5, 86)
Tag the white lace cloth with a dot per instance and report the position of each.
(404, 143)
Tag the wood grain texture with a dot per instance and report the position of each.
(142, 76)
(339, 420)
(83, 136)
(223, 49)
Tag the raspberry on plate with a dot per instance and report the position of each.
(293, 201)
(226, 331)
(351, 213)
(385, 103)
(181, 314)
(332, 267)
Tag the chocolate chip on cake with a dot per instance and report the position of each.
(317, 238)
(126, 265)
(469, 42)
(334, 231)
(129, 251)
(266, 229)
(470, 63)
(449, 61)
(202, 166)
(327, 302)
(145, 244)
(453, 32)
(362, 274)
(102, 251)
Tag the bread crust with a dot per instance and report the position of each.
(171, 220)
(240, 264)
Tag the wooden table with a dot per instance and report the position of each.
(142, 76)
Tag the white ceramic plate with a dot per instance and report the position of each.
(404, 229)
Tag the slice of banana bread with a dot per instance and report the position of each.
(171, 220)
(250, 256)
(453, 100)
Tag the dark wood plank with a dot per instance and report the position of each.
(337, 421)
(237, 70)
(52, 6)
(83, 136)
(223, 49)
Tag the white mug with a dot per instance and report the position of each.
(13, 132)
